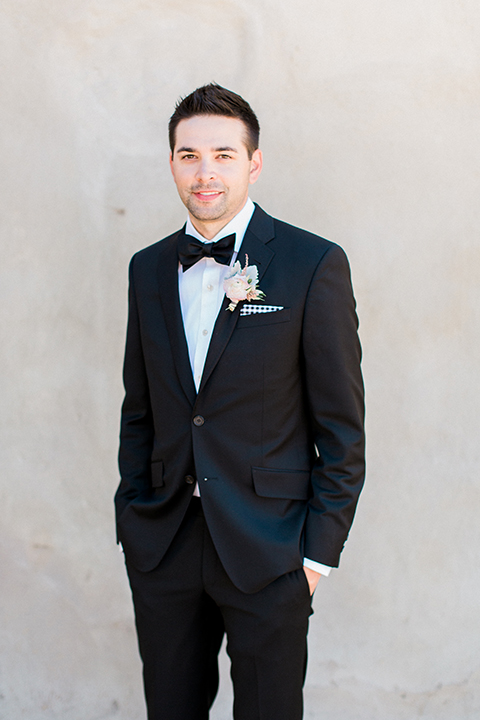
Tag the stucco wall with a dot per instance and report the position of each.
(370, 129)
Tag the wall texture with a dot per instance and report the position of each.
(370, 118)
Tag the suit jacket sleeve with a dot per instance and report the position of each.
(136, 433)
(334, 389)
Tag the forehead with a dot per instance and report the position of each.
(210, 132)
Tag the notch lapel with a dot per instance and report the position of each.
(260, 230)
(170, 299)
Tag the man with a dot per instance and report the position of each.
(241, 451)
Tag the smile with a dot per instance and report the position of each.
(207, 194)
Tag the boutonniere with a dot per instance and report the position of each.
(242, 284)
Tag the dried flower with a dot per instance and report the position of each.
(242, 284)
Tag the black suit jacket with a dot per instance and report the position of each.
(274, 435)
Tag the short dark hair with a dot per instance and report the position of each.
(212, 99)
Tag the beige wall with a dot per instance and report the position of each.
(370, 116)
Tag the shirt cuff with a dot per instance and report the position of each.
(318, 567)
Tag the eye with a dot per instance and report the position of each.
(188, 156)
(224, 156)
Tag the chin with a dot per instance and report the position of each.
(206, 213)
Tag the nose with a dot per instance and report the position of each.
(205, 171)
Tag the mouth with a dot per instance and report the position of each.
(207, 195)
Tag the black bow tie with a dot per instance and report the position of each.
(190, 250)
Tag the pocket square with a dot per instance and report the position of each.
(254, 309)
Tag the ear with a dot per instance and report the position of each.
(256, 164)
(170, 159)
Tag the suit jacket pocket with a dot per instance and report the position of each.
(264, 318)
(157, 474)
(287, 484)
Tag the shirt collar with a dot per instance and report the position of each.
(237, 225)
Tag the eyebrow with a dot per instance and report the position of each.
(219, 149)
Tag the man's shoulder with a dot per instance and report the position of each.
(152, 252)
(298, 234)
(294, 238)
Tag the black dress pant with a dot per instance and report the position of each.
(182, 609)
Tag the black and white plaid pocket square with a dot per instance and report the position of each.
(255, 309)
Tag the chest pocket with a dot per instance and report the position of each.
(264, 318)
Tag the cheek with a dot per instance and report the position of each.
(182, 175)
(183, 183)
(235, 180)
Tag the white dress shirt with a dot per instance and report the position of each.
(201, 297)
(201, 290)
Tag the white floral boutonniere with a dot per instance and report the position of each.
(242, 284)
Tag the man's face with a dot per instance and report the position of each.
(212, 170)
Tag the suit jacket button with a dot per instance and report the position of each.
(198, 420)
(189, 479)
